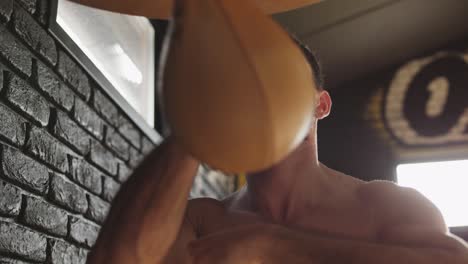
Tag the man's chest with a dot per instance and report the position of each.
(354, 221)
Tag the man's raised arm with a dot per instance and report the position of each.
(415, 233)
(147, 214)
(162, 9)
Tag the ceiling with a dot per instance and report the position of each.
(358, 37)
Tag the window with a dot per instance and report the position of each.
(444, 183)
(121, 47)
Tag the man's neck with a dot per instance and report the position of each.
(296, 184)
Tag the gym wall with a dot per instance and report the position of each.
(416, 111)
(65, 146)
(412, 112)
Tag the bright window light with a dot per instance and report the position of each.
(444, 183)
(120, 46)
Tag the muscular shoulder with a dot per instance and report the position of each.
(400, 206)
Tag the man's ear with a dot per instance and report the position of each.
(324, 105)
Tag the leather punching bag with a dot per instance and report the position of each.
(238, 92)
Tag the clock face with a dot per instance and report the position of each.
(427, 101)
(426, 111)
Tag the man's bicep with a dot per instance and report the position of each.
(419, 211)
(417, 237)
(408, 218)
(396, 206)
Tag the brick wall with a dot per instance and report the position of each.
(65, 146)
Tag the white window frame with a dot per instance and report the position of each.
(93, 70)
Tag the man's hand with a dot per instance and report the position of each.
(276, 244)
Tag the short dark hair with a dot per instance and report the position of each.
(313, 62)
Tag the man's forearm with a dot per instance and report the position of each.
(147, 213)
(334, 250)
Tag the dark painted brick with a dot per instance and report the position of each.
(130, 132)
(14, 52)
(42, 12)
(88, 119)
(48, 149)
(30, 5)
(106, 108)
(65, 253)
(124, 173)
(34, 35)
(98, 209)
(135, 158)
(20, 241)
(67, 194)
(10, 199)
(147, 145)
(12, 261)
(13, 126)
(110, 190)
(117, 143)
(83, 232)
(24, 170)
(28, 100)
(50, 84)
(44, 216)
(86, 176)
(1, 77)
(103, 158)
(202, 186)
(69, 131)
(71, 72)
(6, 9)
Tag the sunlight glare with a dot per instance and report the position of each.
(444, 183)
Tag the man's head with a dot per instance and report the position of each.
(322, 109)
(313, 62)
(323, 105)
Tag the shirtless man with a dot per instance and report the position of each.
(298, 211)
